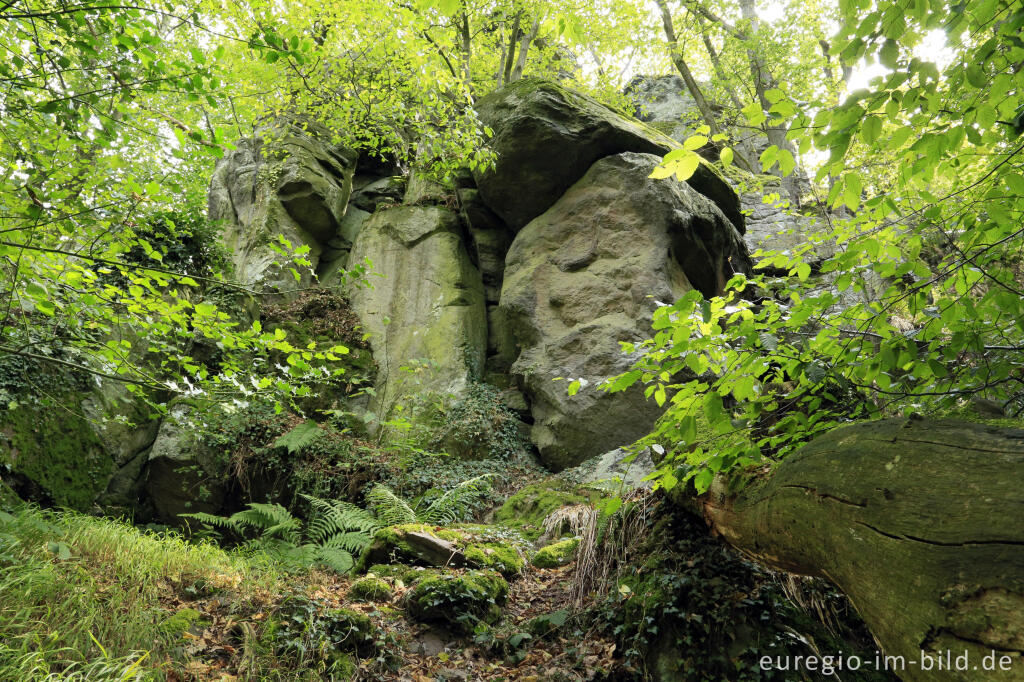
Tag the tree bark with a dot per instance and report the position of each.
(684, 70)
(524, 47)
(919, 522)
(510, 56)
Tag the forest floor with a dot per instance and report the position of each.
(91, 598)
(412, 652)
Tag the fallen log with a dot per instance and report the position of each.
(919, 522)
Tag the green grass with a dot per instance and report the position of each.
(84, 598)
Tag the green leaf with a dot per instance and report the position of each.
(976, 76)
(695, 142)
(726, 156)
(702, 481)
(686, 167)
(662, 171)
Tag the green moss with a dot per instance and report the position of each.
(407, 574)
(502, 558)
(460, 601)
(180, 622)
(389, 545)
(557, 554)
(370, 588)
(527, 509)
(973, 412)
(57, 451)
(482, 547)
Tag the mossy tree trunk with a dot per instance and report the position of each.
(920, 523)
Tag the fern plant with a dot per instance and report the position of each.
(450, 507)
(337, 531)
(334, 532)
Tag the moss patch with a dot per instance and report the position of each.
(557, 554)
(56, 452)
(181, 622)
(370, 588)
(527, 509)
(460, 601)
(391, 545)
(502, 558)
(407, 574)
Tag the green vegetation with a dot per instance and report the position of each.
(124, 294)
(526, 510)
(460, 601)
(479, 426)
(556, 554)
(61, 583)
(434, 546)
(923, 172)
(371, 588)
(330, 537)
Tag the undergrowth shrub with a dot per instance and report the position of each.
(692, 608)
(480, 426)
(334, 532)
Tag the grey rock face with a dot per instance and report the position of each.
(289, 182)
(665, 103)
(546, 137)
(613, 469)
(586, 275)
(427, 308)
(176, 470)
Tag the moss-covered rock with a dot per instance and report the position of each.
(459, 600)
(398, 544)
(557, 554)
(57, 456)
(427, 310)
(370, 588)
(526, 510)
(564, 299)
(547, 136)
(505, 559)
(407, 574)
(8, 498)
(420, 544)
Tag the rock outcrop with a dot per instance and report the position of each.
(664, 103)
(586, 276)
(546, 137)
(426, 308)
(513, 276)
(288, 182)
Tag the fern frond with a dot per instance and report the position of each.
(212, 520)
(335, 559)
(389, 508)
(455, 503)
(352, 541)
(335, 517)
(270, 520)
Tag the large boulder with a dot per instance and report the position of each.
(179, 476)
(585, 276)
(290, 182)
(427, 307)
(546, 137)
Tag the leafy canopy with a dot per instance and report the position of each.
(922, 306)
